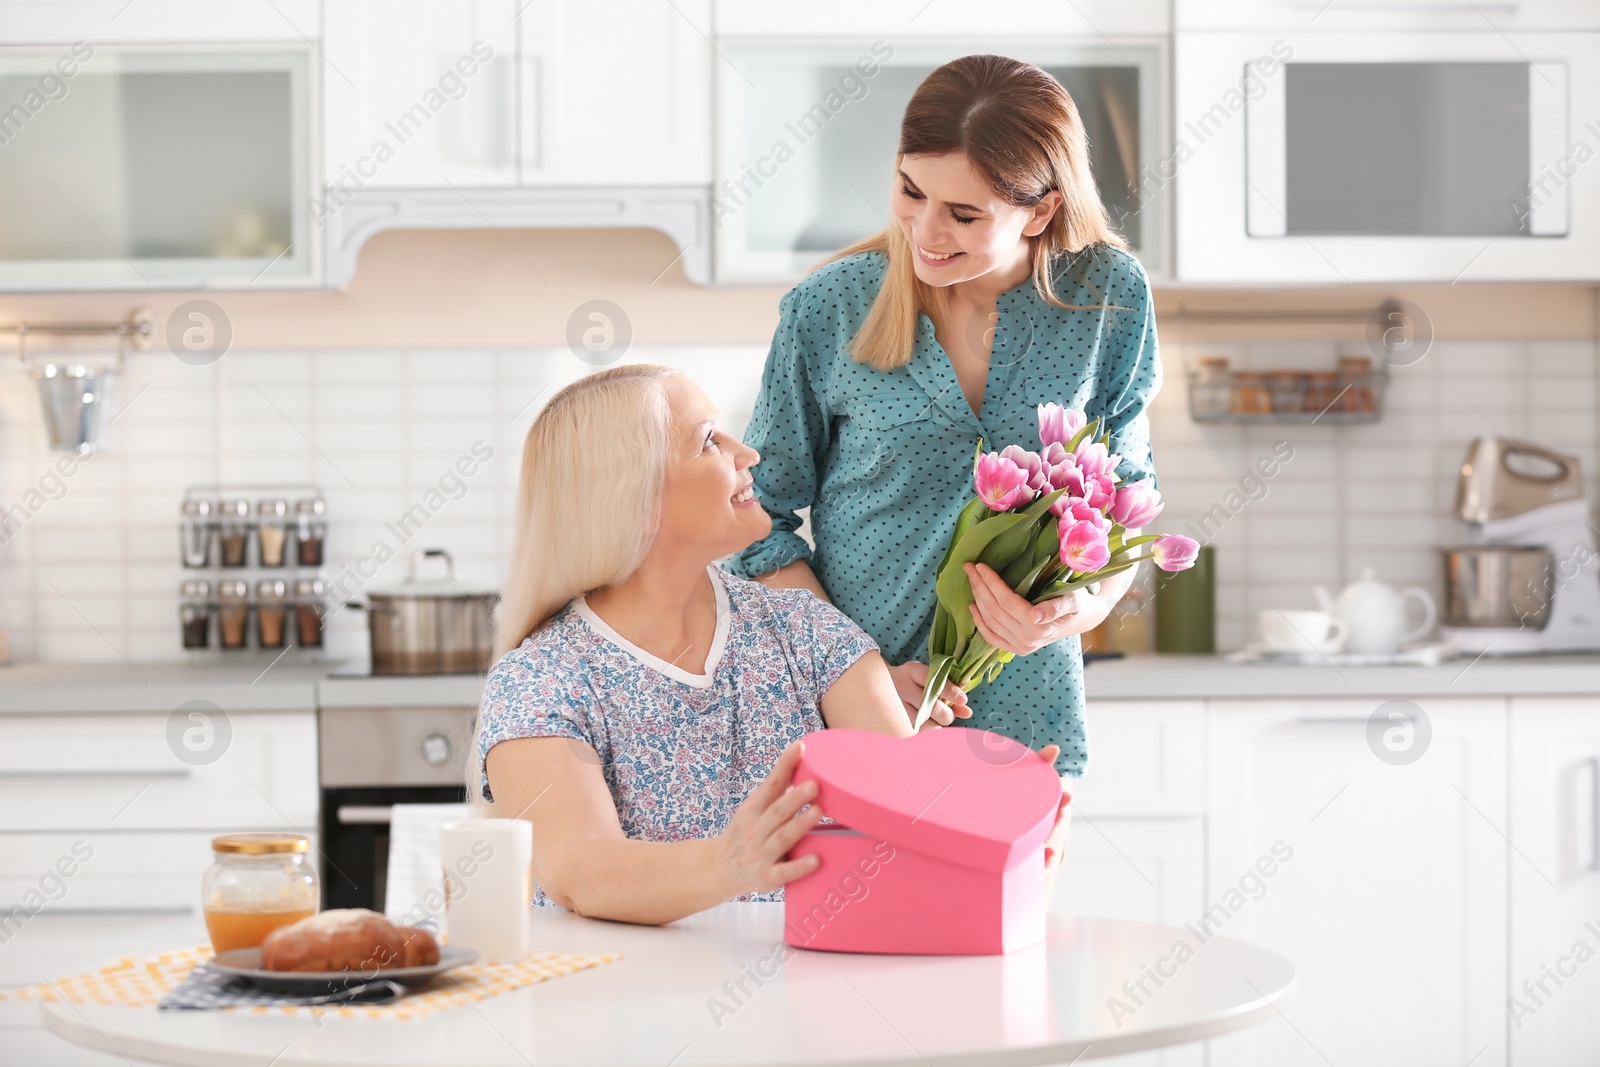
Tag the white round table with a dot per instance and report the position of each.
(714, 990)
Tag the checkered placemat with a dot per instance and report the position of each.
(142, 983)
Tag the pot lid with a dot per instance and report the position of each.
(448, 586)
(961, 794)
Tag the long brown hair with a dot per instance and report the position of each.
(1022, 132)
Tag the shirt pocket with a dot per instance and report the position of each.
(877, 431)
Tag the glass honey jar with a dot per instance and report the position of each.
(257, 883)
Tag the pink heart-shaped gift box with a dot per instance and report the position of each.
(937, 847)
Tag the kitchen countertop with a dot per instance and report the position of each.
(1202, 677)
(146, 687)
(659, 1004)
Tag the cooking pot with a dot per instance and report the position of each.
(1496, 586)
(433, 626)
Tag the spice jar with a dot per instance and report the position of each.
(1288, 390)
(196, 533)
(310, 600)
(272, 531)
(1213, 388)
(194, 611)
(1251, 395)
(1355, 378)
(233, 612)
(256, 883)
(1321, 391)
(310, 530)
(272, 612)
(234, 519)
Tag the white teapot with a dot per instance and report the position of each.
(1375, 615)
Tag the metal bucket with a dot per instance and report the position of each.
(77, 404)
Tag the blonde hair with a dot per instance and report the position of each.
(588, 503)
(1022, 132)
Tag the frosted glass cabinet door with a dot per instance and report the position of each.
(807, 137)
(164, 168)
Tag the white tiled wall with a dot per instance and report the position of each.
(93, 573)
(1379, 495)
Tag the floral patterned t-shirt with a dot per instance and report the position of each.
(679, 751)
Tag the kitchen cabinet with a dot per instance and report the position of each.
(107, 22)
(419, 94)
(1384, 883)
(1555, 881)
(807, 132)
(615, 92)
(903, 19)
(127, 167)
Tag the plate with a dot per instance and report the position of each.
(246, 963)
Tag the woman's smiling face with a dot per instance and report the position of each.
(958, 226)
(708, 505)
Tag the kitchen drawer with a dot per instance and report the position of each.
(120, 772)
(395, 746)
(1146, 758)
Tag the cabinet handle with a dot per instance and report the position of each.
(365, 814)
(1594, 813)
(109, 772)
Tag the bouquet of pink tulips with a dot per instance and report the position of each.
(1047, 522)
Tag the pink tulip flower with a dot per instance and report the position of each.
(1001, 484)
(1099, 490)
(1092, 458)
(1083, 547)
(1137, 504)
(1038, 479)
(1058, 425)
(1081, 511)
(1174, 552)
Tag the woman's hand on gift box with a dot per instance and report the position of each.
(766, 826)
(911, 677)
(1008, 621)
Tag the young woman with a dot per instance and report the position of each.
(646, 707)
(997, 286)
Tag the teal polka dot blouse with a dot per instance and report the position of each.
(883, 459)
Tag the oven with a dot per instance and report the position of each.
(370, 759)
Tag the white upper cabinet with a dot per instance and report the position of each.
(902, 20)
(419, 95)
(615, 92)
(106, 22)
(170, 166)
(807, 133)
(1381, 15)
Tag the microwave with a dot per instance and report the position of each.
(1335, 158)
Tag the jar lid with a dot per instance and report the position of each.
(195, 590)
(260, 844)
(196, 509)
(310, 587)
(233, 589)
(1214, 362)
(234, 509)
(272, 509)
(272, 589)
(309, 506)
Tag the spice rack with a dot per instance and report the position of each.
(254, 556)
(1351, 394)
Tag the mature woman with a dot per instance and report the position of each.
(998, 285)
(646, 707)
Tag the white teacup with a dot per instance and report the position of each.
(1302, 631)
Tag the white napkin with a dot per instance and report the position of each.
(415, 890)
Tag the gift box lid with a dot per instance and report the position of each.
(960, 794)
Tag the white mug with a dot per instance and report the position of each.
(1302, 631)
(488, 886)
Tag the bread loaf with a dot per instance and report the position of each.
(347, 939)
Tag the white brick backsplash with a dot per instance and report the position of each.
(393, 422)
